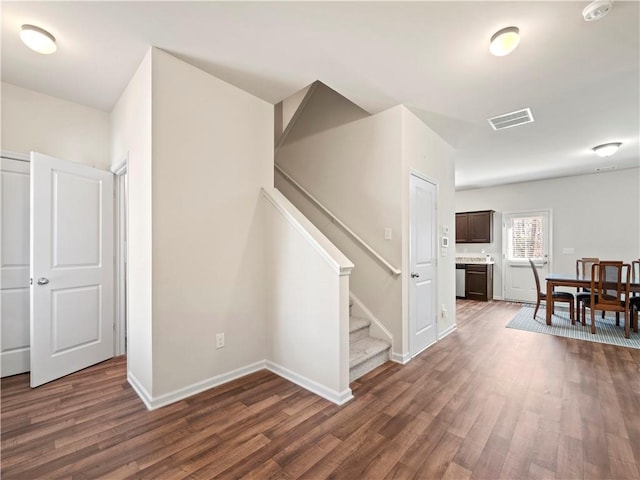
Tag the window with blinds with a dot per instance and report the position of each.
(527, 239)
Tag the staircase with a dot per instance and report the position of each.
(365, 352)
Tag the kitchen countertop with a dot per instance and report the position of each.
(474, 263)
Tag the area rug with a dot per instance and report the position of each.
(606, 330)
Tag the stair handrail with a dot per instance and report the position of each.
(337, 221)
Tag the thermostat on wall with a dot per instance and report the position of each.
(445, 241)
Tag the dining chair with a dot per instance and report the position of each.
(609, 291)
(634, 299)
(557, 296)
(583, 269)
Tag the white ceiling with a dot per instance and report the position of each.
(580, 79)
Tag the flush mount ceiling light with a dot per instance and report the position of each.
(504, 41)
(607, 149)
(596, 10)
(38, 39)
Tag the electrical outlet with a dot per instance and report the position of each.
(219, 340)
(387, 233)
(445, 313)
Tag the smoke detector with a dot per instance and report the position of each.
(596, 10)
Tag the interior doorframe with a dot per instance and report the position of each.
(505, 240)
(121, 274)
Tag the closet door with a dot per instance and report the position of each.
(14, 267)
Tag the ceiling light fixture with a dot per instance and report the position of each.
(504, 41)
(596, 10)
(607, 149)
(38, 39)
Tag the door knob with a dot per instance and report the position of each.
(43, 281)
(415, 275)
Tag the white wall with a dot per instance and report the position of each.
(358, 167)
(326, 109)
(32, 121)
(308, 301)
(425, 152)
(212, 153)
(596, 215)
(355, 171)
(131, 137)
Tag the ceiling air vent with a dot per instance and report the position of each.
(512, 119)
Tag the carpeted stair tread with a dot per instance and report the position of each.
(356, 323)
(364, 349)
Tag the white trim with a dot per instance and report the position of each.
(121, 167)
(401, 358)
(120, 252)
(339, 398)
(448, 331)
(337, 221)
(193, 389)
(22, 157)
(334, 257)
(140, 390)
(427, 178)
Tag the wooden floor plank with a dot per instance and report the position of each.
(485, 402)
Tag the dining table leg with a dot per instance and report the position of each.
(549, 306)
(627, 320)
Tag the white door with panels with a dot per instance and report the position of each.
(422, 253)
(525, 235)
(72, 267)
(14, 267)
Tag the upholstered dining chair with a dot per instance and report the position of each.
(583, 269)
(634, 299)
(557, 296)
(609, 291)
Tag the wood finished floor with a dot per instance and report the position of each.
(486, 402)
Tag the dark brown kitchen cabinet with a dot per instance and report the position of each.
(474, 227)
(479, 282)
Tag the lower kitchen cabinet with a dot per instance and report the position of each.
(479, 282)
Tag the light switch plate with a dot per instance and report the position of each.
(387, 233)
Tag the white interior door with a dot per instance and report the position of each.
(525, 235)
(72, 261)
(14, 267)
(423, 251)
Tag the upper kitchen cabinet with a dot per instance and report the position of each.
(474, 227)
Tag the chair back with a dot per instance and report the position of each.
(610, 282)
(535, 275)
(583, 269)
(635, 273)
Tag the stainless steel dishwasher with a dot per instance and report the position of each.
(460, 280)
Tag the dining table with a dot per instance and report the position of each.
(576, 281)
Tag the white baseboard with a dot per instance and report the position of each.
(448, 331)
(140, 390)
(339, 398)
(401, 358)
(182, 393)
